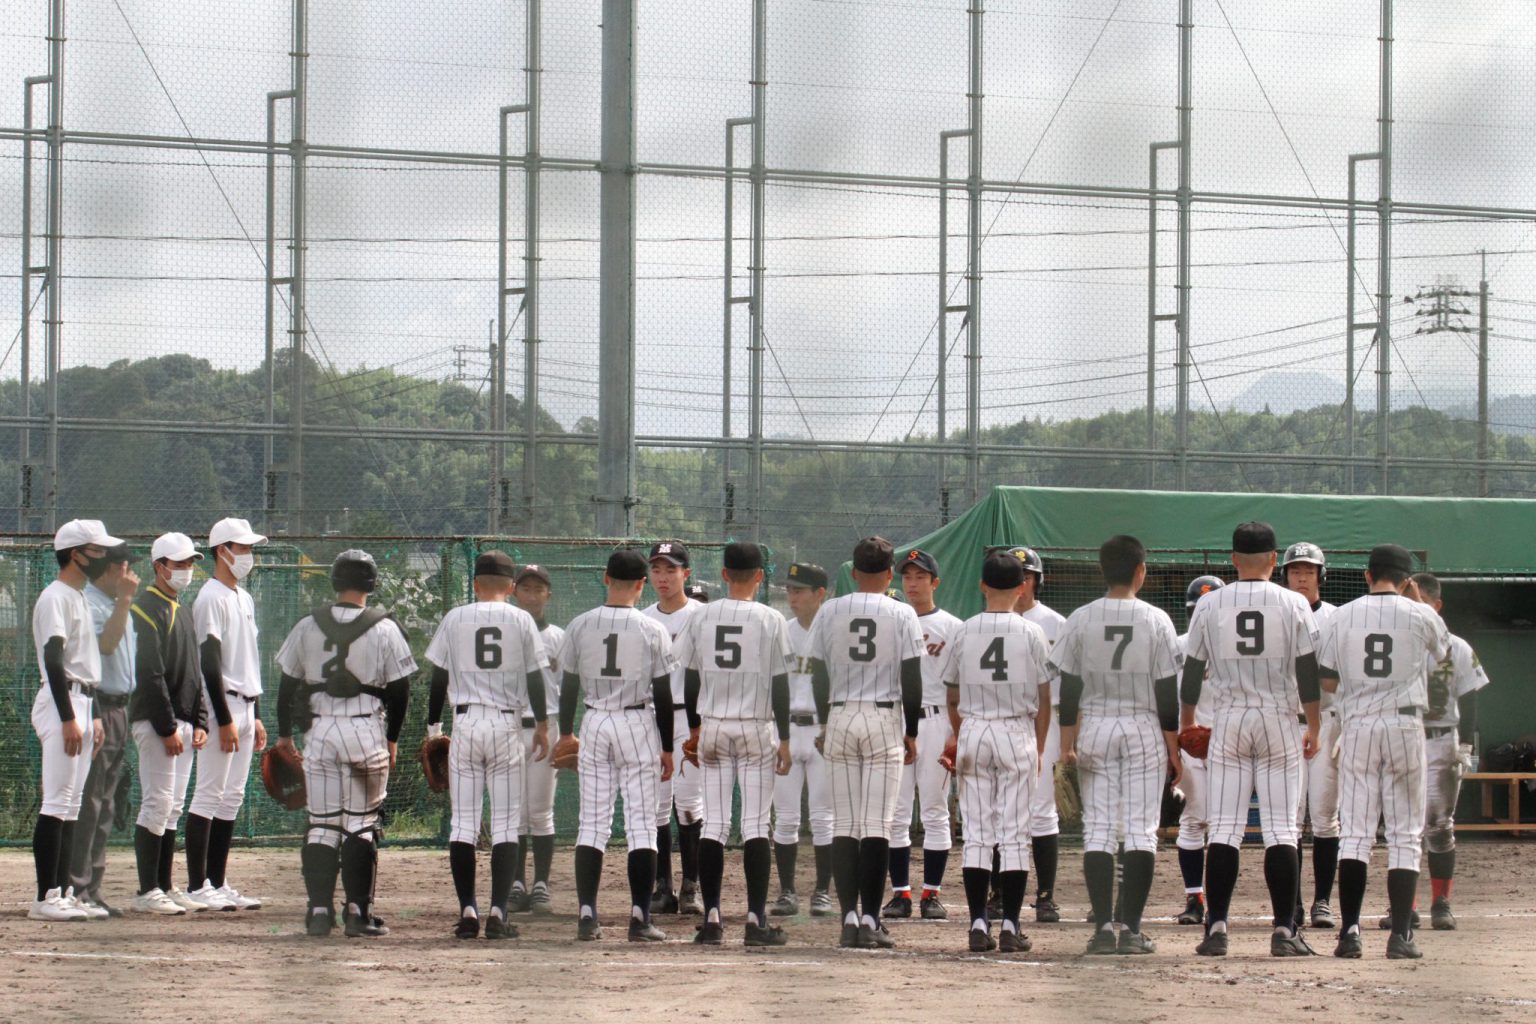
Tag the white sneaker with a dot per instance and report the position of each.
(93, 911)
(183, 900)
(211, 898)
(157, 901)
(52, 907)
(233, 896)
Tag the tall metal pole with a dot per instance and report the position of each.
(1482, 381)
(52, 324)
(273, 281)
(534, 75)
(727, 503)
(1186, 105)
(24, 440)
(1153, 316)
(973, 263)
(616, 274)
(1384, 259)
(499, 343)
(759, 180)
(945, 308)
(297, 245)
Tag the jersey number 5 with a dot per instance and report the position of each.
(488, 647)
(727, 651)
(864, 630)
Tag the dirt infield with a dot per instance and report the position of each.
(258, 962)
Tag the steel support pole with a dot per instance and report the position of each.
(498, 467)
(24, 437)
(616, 305)
(53, 310)
(269, 323)
(1482, 382)
(727, 503)
(759, 196)
(1186, 105)
(1350, 324)
(1384, 259)
(531, 158)
(1153, 316)
(973, 188)
(945, 308)
(297, 247)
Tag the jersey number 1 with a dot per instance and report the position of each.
(611, 646)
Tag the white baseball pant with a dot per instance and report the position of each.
(620, 755)
(221, 777)
(736, 751)
(485, 758)
(808, 774)
(162, 779)
(929, 782)
(683, 789)
(1320, 782)
(346, 775)
(63, 776)
(1381, 779)
(1442, 788)
(1122, 767)
(864, 750)
(996, 765)
(1043, 819)
(1254, 749)
(537, 816)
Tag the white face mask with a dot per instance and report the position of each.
(180, 579)
(240, 566)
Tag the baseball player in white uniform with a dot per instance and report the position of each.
(346, 679)
(225, 618)
(1118, 660)
(736, 658)
(866, 659)
(620, 661)
(805, 588)
(670, 568)
(69, 663)
(488, 664)
(531, 591)
(925, 779)
(1044, 822)
(1256, 639)
(1303, 569)
(1376, 656)
(998, 699)
(1194, 825)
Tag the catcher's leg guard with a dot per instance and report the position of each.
(318, 863)
(359, 859)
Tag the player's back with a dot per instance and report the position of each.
(1119, 647)
(737, 647)
(1382, 648)
(616, 652)
(863, 639)
(1249, 634)
(488, 649)
(376, 657)
(998, 661)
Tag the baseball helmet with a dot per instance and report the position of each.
(354, 569)
(1198, 588)
(1308, 554)
(1032, 563)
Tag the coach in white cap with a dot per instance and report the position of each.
(70, 666)
(225, 619)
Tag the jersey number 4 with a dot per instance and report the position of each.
(992, 658)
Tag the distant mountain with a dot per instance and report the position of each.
(1284, 393)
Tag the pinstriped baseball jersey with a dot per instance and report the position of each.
(863, 639)
(488, 648)
(737, 647)
(1050, 621)
(379, 656)
(802, 699)
(997, 659)
(1202, 709)
(1457, 674)
(1320, 616)
(1119, 647)
(1249, 634)
(616, 652)
(1382, 647)
(938, 627)
(552, 636)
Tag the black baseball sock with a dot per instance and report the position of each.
(589, 871)
(318, 865)
(1401, 883)
(1099, 876)
(146, 856)
(504, 857)
(784, 856)
(167, 860)
(997, 867)
(688, 850)
(1192, 867)
(543, 857)
(197, 831)
(61, 866)
(934, 863)
(1281, 867)
(823, 866)
(1012, 885)
(1138, 865)
(1220, 879)
(1119, 912)
(874, 859)
(1352, 876)
(461, 862)
(664, 858)
(756, 860)
(845, 872)
(1442, 866)
(711, 873)
(1325, 866)
(1045, 853)
(642, 872)
(357, 872)
(978, 882)
(900, 861)
(220, 835)
(46, 837)
(520, 872)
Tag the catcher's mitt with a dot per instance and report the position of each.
(691, 750)
(1195, 741)
(434, 762)
(567, 751)
(282, 773)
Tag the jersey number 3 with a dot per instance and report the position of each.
(864, 631)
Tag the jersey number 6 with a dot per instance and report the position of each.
(488, 647)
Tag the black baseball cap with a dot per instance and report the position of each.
(697, 592)
(627, 565)
(1002, 570)
(672, 551)
(872, 554)
(1390, 558)
(495, 563)
(117, 553)
(741, 554)
(533, 572)
(922, 560)
(806, 574)
(1253, 538)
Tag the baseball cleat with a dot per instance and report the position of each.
(467, 927)
(93, 910)
(518, 902)
(319, 922)
(710, 933)
(1102, 942)
(821, 903)
(240, 902)
(1013, 942)
(644, 931)
(689, 901)
(1440, 917)
(1194, 910)
(849, 939)
(1135, 943)
(1349, 947)
(663, 901)
(1281, 944)
(156, 902)
(1046, 910)
(981, 941)
(211, 898)
(787, 905)
(52, 907)
(588, 930)
(1385, 923)
(933, 909)
(900, 906)
(765, 935)
(875, 938)
(1322, 915)
(364, 926)
(1214, 944)
(185, 901)
(1402, 947)
(539, 903)
(497, 927)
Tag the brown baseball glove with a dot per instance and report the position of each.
(691, 750)
(566, 752)
(434, 762)
(1195, 741)
(282, 773)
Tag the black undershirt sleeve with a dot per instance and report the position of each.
(397, 697)
(212, 662)
(1307, 685)
(1467, 725)
(538, 700)
(691, 684)
(1071, 698)
(661, 695)
(1167, 693)
(781, 705)
(1193, 681)
(570, 693)
(288, 689)
(58, 682)
(911, 693)
(821, 688)
(437, 695)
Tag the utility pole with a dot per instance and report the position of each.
(1442, 310)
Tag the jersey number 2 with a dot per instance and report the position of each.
(488, 647)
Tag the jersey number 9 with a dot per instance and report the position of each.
(1250, 633)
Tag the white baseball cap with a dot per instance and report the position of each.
(80, 532)
(233, 531)
(177, 547)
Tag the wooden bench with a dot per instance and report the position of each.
(1491, 781)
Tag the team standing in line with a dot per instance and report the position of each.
(870, 704)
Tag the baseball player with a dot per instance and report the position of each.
(69, 662)
(997, 696)
(697, 592)
(866, 655)
(1304, 569)
(225, 618)
(488, 663)
(1194, 825)
(110, 597)
(806, 590)
(531, 591)
(735, 657)
(1118, 661)
(1376, 656)
(620, 660)
(670, 570)
(1044, 822)
(169, 721)
(1256, 640)
(346, 680)
(924, 778)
